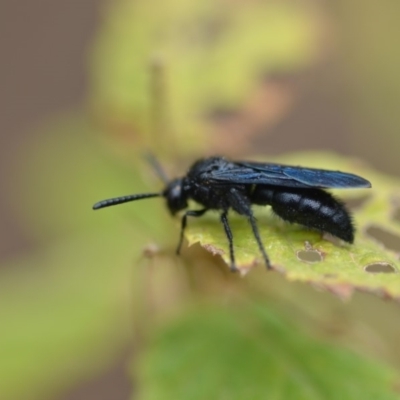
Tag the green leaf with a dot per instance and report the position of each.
(65, 313)
(249, 352)
(307, 256)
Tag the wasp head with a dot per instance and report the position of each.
(176, 196)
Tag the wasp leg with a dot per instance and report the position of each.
(189, 213)
(225, 223)
(256, 233)
(242, 205)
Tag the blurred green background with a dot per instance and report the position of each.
(89, 86)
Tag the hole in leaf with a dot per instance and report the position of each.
(380, 268)
(357, 202)
(309, 256)
(390, 240)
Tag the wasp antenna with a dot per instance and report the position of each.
(124, 199)
(152, 160)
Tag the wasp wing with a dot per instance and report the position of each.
(254, 173)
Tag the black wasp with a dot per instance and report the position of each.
(294, 193)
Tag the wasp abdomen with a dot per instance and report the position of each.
(313, 208)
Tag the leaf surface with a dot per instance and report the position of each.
(371, 263)
(251, 353)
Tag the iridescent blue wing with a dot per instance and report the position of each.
(254, 173)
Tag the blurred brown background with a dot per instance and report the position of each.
(44, 47)
(44, 55)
